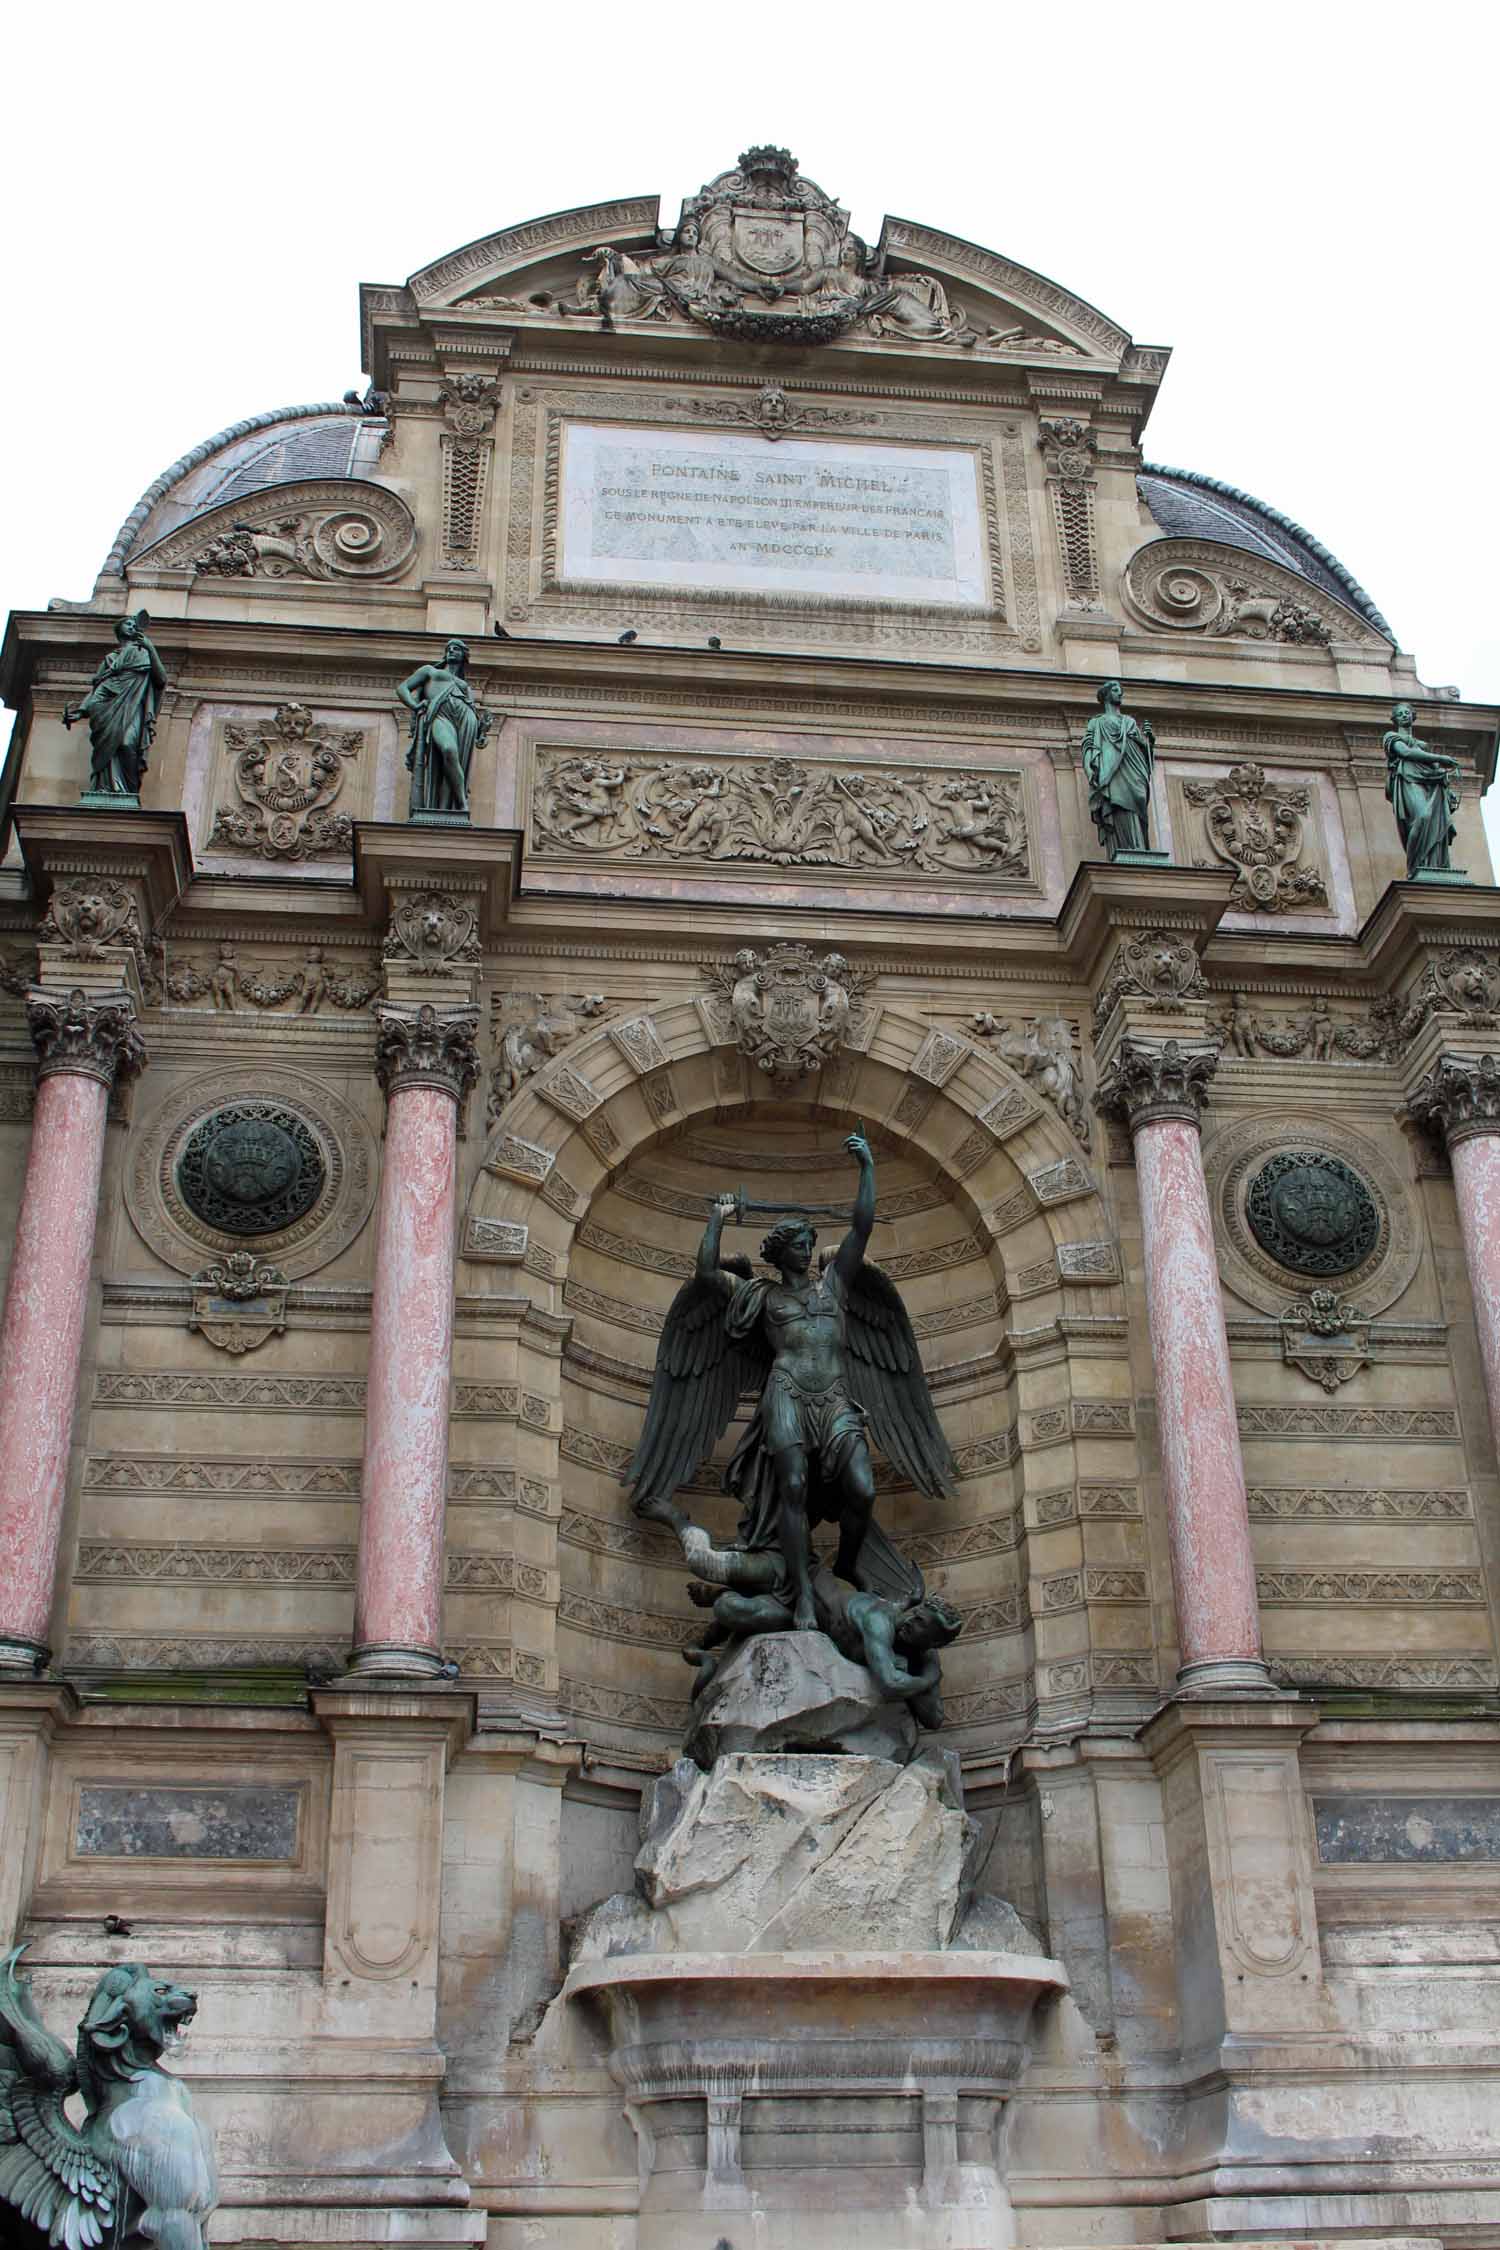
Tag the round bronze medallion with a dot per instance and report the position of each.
(1312, 1213)
(251, 1168)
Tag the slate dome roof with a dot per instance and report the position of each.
(332, 439)
(1189, 506)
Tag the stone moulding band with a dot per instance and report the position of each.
(387, 1660)
(21, 1658)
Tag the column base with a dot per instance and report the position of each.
(22, 1659)
(387, 1660)
(1227, 1675)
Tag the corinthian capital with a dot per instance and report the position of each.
(1459, 1096)
(427, 1047)
(1151, 1079)
(92, 1035)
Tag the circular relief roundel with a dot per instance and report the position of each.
(251, 1168)
(1312, 1213)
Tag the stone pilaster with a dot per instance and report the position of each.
(83, 1043)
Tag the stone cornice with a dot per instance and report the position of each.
(512, 666)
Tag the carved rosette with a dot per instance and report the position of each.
(427, 1047)
(1460, 1096)
(93, 1037)
(1150, 1081)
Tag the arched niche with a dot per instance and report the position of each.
(596, 1180)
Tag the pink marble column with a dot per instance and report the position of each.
(1460, 1097)
(426, 1063)
(1158, 1089)
(82, 1042)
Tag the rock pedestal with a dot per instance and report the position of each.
(794, 1691)
(814, 2024)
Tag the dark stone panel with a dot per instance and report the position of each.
(194, 1823)
(1351, 1830)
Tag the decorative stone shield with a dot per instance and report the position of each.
(790, 1010)
(772, 243)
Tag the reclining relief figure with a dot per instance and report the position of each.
(833, 1355)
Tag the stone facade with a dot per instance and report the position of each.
(330, 1650)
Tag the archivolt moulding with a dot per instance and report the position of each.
(573, 1126)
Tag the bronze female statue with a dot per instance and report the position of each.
(1119, 755)
(1420, 785)
(121, 709)
(446, 729)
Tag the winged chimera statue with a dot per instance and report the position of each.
(833, 1357)
(140, 2168)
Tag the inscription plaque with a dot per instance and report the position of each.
(841, 521)
(237, 1822)
(1355, 1830)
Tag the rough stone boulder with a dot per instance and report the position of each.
(791, 1853)
(794, 1691)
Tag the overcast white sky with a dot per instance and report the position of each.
(1301, 199)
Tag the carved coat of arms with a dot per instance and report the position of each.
(790, 1010)
(287, 772)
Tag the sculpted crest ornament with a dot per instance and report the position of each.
(763, 255)
(140, 2168)
(790, 1011)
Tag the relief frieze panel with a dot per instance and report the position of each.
(968, 824)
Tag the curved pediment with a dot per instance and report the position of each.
(1219, 592)
(762, 255)
(317, 529)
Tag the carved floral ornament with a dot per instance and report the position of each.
(86, 1035)
(1150, 1080)
(315, 529)
(779, 812)
(287, 771)
(1258, 828)
(427, 1046)
(1459, 1097)
(1201, 586)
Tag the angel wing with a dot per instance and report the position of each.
(885, 1375)
(700, 1373)
(49, 2172)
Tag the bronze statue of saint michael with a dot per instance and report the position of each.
(833, 1356)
